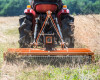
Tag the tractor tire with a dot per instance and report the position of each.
(68, 33)
(25, 31)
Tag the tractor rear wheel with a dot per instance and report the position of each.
(25, 31)
(68, 32)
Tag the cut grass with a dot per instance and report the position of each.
(87, 72)
(13, 31)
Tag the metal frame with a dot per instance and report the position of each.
(47, 40)
(57, 52)
(56, 27)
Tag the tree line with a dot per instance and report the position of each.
(16, 7)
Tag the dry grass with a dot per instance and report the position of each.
(87, 31)
(8, 27)
(87, 34)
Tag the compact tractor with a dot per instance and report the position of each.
(47, 29)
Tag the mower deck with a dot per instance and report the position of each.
(57, 52)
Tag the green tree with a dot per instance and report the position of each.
(16, 7)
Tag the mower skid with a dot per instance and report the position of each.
(57, 52)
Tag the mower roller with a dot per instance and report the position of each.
(47, 31)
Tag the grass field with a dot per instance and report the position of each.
(87, 35)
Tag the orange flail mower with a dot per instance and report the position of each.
(58, 52)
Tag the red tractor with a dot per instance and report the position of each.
(35, 16)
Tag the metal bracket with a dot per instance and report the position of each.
(56, 27)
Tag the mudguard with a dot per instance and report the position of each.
(63, 11)
(30, 11)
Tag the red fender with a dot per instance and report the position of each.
(63, 11)
(30, 11)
